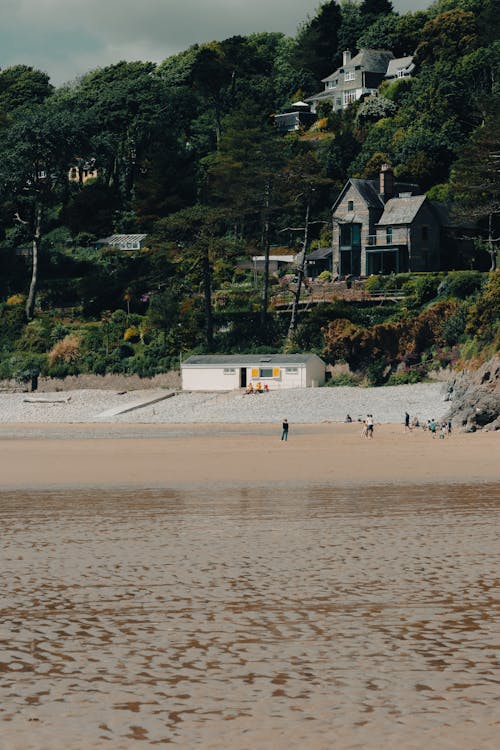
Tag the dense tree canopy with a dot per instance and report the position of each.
(185, 151)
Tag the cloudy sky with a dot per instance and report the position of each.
(69, 37)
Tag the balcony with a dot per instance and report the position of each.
(394, 242)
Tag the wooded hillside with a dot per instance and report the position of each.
(185, 152)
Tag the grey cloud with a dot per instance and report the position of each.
(147, 29)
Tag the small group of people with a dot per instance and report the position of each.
(435, 428)
(411, 424)
(257, 389)
(367, 430)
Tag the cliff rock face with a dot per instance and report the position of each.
(475, 397)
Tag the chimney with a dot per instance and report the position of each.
(346, 56)
(386, 184)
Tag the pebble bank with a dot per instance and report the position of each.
(312, 405)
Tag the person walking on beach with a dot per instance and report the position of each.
(407, 422)
(284, 431)
(369, 426)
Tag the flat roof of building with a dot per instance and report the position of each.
(233, 360)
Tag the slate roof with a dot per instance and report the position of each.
(400, 63)
(233, 360)
(401, 210)
(368, 190)
(319, 254)
(372, 60)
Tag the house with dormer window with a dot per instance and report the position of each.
(358, 76)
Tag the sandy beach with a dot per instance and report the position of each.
(208, 586)
(183, 455)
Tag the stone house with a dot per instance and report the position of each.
(384, 226)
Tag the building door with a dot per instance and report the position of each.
(243, 377)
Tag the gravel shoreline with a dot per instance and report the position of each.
(312, 405)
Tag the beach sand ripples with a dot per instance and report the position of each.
(250, 618)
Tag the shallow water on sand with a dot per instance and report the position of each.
(250, 618)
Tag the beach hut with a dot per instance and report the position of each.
(218, 372)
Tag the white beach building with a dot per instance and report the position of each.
(214, 372)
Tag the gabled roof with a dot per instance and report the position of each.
(401, 210)
(233, 360)
(372, 60)
(400, 63)
(369, 191)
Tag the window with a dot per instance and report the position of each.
(350, 205)
(349, 97)
(331, 84)
(265, 372)
(349, 75)
(292, 370)
(229, 370)
(388, 235)
(74, 174)
(350, 235)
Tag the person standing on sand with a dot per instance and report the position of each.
(369, 426)
(407, 422)
(284, 431)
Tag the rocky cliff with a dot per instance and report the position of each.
(475, 398)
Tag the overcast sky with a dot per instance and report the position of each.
(68, 37)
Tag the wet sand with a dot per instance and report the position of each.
(271, 618)
(180, 455)
(212, 587)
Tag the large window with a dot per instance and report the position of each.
(349, 75)
(349, 96)
(350, 235)
(265, 372)
(388, 235)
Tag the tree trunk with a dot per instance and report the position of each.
(37, 234)
(300, 274)
(265, 243)
(207, 291)
(491, 247)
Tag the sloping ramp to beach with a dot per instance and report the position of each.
(137, 404)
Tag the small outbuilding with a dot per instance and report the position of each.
(216, 372)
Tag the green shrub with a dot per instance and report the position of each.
(325, 276)
(461, 284)
(26, 366)
(407, 377)
(375, 372)
(425, 288)
(342, 380)
(374, 283)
